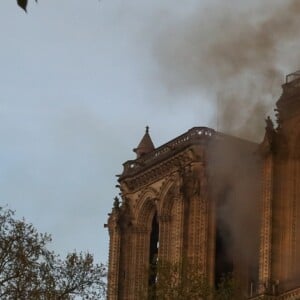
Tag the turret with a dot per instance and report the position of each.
(145, 146)
(288, 105)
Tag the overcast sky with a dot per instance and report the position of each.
(79, 82)
(78, 88)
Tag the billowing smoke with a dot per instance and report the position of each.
(234, 173)
(237, 55)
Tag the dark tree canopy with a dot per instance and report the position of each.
(28, 270)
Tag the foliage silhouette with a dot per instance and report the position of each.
(28, 270)
(184, 281)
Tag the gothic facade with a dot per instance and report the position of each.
(223, 203)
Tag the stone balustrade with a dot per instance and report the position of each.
(194, 134)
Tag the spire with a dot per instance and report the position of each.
(145, 146)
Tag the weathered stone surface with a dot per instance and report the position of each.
(223, 203)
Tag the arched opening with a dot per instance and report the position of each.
(153, 251)
(223, 240)
(223, 260)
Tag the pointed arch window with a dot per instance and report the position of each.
(153, 250)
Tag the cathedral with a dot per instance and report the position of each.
(224, 204)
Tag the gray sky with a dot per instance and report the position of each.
(78, 86)
(80, 80)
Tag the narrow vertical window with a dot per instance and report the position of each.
(153, 253)
(223, 253)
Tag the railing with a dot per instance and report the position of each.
(196, 133)
(292, 85)
(273, 293)
(293, 294)
(291, 77)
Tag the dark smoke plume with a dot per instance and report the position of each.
(235, 55)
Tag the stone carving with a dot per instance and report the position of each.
(193, 181)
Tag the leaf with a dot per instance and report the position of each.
(22, 4)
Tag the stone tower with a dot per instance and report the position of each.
(279, 271)
(170, 212)
(222, 203)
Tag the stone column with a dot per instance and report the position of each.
(178, 231)
(265, 251)
(197, 233)
(165, 240)
(197, 218)
(138, 284)
(114, 259)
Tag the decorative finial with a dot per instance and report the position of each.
(147, 129)
(269, 124)
(116, 203)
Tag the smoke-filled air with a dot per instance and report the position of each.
(237, 56)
